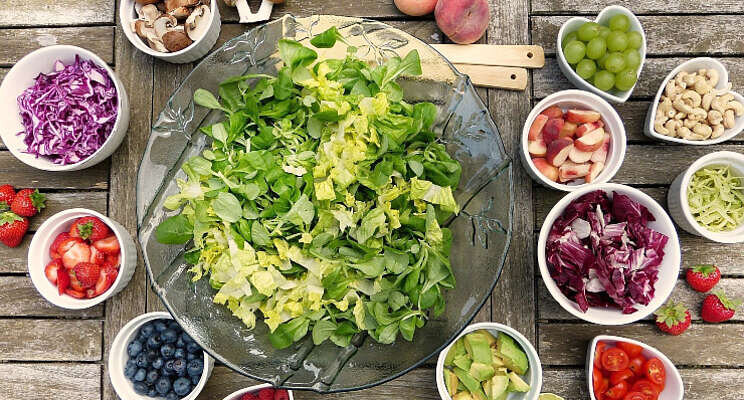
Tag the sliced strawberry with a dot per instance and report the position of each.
(105, 280)
(55, 245)
(112, 261)
(89, 228)
(52, 269)
(65, 244)
(74, 282)
(109, 245)
(87, 273)
(79, 252)
(96, 256)
(63, 281)
(75, 293)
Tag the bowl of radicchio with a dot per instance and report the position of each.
(609, 254)
(62, 109)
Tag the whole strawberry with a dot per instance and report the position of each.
(718, 308)
(266, 394)
(87, 273)
(7, 193)
(89, 228)
(12, 228)
(673, 318)
(703, 277)
(27, 203)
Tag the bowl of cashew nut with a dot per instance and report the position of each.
(695, 105)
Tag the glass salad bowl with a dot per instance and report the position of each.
(482, 230)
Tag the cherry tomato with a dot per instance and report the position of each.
(598, 353)
(615, 359)
(636, 365)
(618, 391)
(597, 380)
(635, 396)
(654, 371)
(619, 376)
(630, 348)
(647, 388)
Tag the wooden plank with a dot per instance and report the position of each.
(566, 344)
(50, 340)
(665, 34)
(19, 42)
(638, 6)
(700, 384)
(19, 298)
(59, 12)
(13, 260)
(369, 8)
(55, 381)
(57, 202)
(19, 174)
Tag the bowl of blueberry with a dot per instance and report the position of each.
(153, 358)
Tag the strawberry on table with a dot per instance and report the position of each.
(27, 203)
(89, 228)
(109, 245)
(703, 277)
(87, 273)
(718, 308)
(7, 193)
(12, 228)
(673, 318)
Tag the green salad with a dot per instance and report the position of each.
(321, 199)
(716, 198)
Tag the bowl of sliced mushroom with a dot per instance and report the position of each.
(695, 105)
(177, 31)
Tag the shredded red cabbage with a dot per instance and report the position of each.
(68, 114)
(615, 264)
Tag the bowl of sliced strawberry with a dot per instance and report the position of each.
(78, 258)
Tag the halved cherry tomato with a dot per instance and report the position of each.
(654, 371)
(636, 365)
(647, 388)
(630, 348)
(598, 353)
(597, 380)
(614, 359)
(619, 376)
(617, 392)
(635, 396)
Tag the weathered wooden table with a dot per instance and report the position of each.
(50, 353)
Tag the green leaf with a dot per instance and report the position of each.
(386, 334)
(295, 54)
(205, 98)
(327, 39)
(260, 235)
(416, 167)
(407, 327)
(227, 207)
(322, 331)
(174, 230)
(289, 332)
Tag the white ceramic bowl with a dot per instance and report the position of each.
(677, 196)
(195, 51)
(674, 389)
(603, 18)
(22, 76)
(238, 393)
(582, 100)
(118, 359)
(38, 258)
(534, 373)
(668, 270)
(692, 66)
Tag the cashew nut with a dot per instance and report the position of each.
(711, 77)
(659, 128)
(680, 79)
(736, 106)
(694, 98)
(680, 116)
(698, 114)
(701, 86)
(689, 79)
(706, 100)
(715, 117)
(717, 131)
(672, 125)
(689, 123)
(680, 105)
(728, 119)
(684, 132)
(703, 130)
(671, 88)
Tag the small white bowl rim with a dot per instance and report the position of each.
(587, 86)
(529, 349)
(677, 378)
(253, 388)
(708, 159)
(132, 326)
(73, 213)
(723, 78)
(583, 96)
(42, 163)
(127, 6)
(567, 304)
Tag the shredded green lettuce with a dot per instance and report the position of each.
(716, 198)
(318, 207)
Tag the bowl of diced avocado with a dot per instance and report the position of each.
(489, 361)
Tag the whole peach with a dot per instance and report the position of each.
(416, 8)
(463, 21)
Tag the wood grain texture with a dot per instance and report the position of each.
(13, 260)
(665, 34)
(59, 12)
(566, 344)
(19, 42)
(57, 202)
(50, 340)
(19, 298)
(638, 6)
(19, 174)
(53, 380)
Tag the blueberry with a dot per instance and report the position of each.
(180, 343)
(147, 330)
(167, 350)
(139, 376)
(142, 360)
(186, 338)
(130, 370)
(154, 342)
(152, 355)
(157, 364)
(163, 385)
(179, 366)
(140, 388)
(174, 325)
(172, 396)
(152, 392)
(134, 348)
(179, 353)
(168, 367)
(195, 367)
(190, 356)
(152, 376)
(192, 347)
(195, 379)
(182, 386)
(169, 336)
(160, 325)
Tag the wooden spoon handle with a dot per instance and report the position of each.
(488, 54)
(495, 77)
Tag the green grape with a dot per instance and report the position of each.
(615, 62)
(632, 58)
(588, 31)
(574, 52)
(586, 68)
(635, 41)
(604, 80)
(596, 48)
(570, 38)
(604, 31)
(602, 60)
(617, 41)
(620, 22)
(626, 79)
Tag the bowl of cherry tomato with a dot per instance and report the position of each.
(625, 369)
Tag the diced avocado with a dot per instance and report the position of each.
(496, 358)
(513, 357)
(472, 385)
(499, 384)
(463, 361)
(516, 384)
(487, 389)
(479, 395)
(462, 396)
(450, 380)
(481, 372)
(489, 337)
(457, 349)
(502, 397)
(480, 351)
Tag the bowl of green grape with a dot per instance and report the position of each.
(604, 56)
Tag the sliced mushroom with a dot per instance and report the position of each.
(161, 7)
(181, 13)
(230, 3)
(155, 42)
(141, 29)
(150, 13)
(176, 40)
(198, 22)
(163, 24)
(171, 5)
